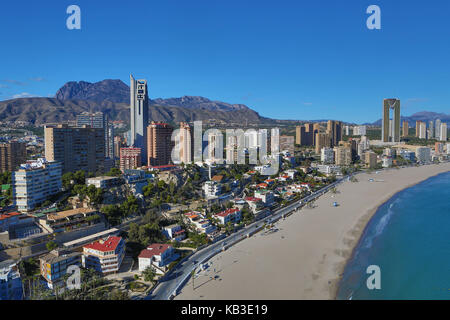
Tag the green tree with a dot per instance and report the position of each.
(51, 245)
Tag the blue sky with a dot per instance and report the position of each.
(285, 59)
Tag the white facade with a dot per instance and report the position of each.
(327, 155)
(359, 130)
(387, 162)
(35, 182)
(443, 132)
(266, 196)
(212, 189)
(422, 130)
(423, 154)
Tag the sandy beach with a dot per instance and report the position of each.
(305, 258)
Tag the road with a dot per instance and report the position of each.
(178, 276)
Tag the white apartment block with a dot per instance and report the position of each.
(212, 189)
(443, 132)
(327, 155)
(423, 154)
(35, 182)
(359, 130)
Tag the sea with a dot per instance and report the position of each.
(404, 252)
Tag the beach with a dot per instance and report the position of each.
(305, 256)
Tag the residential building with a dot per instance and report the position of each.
(422, 130)
(287, 143)
(13, 220)
(431, 130)
(323, 140)
(405, 129)
(12, 155)
(266, 196)
(408, 155)
(423, 154)
(174, 232)
(130, 158)
(439, 148)
(359, 130)
(370, 159)
(386, 162)
(53, 266)
(334, 129)
(212, 189)
(139, 116)
(76, 148)
(35, 182)
(437, 128)
(390, 130)
(105, 255)
(157, 256)
(328, 169)
(327, 155)
(186, 144)
(99, 120)
(10, 281)
(233, 215)
(443, 132)
(342, 155)
(103, 182)
(159, 144)
(68, 220)
(119, 142)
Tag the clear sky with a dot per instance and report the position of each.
(294, 59)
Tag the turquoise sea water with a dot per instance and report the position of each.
(409, 239)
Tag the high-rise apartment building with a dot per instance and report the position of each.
(418, 128)
(370, 159)
(334, 129)
(185, 143)
(327, 155)
(139, 115)
(437, 128)
(35, 182)
(119, 142)
(443, 132)
(422, 130)
(76, 148)
(342, 155)
(99, 120)
(390, 131)
(359, 130)
(431, 130)
(287, 144)
(130, 158)
(405, 129)
(305, 134)
(423, 154)
(322, 140)
(159, 144)
(12, 155)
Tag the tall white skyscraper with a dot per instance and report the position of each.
(422, 130)
(438, 128)
(139, 115)
(431, 130)
(443, 133)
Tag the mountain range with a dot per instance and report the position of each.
(112, 97)
(424, 116)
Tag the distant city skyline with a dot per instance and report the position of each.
(289, 60)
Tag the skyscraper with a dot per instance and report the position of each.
(386, 129)
(99, 120)
(139, 115)
(422, 130)
(431, 130)
(405, 128)
(76, 148)
(443, 133)
(12, 155)
(159, 144)
(185, 143)
(437, 128)
(334, 129)
(130, 158)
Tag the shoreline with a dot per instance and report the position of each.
(306, 257)
(370, 213)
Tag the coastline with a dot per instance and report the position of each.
(309, 252)
(361, 227)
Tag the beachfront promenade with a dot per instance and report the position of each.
(169, 286)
